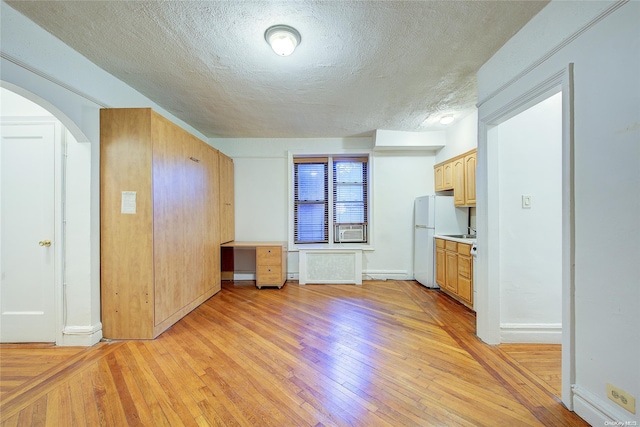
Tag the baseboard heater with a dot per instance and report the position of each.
(330, 266)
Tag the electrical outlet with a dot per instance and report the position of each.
(622, 398)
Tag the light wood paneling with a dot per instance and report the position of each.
(382, 354)
(126, 239)
(227, 209)
(212, 274)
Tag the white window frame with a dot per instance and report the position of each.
(294, 247)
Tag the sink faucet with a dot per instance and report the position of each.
(472, 231)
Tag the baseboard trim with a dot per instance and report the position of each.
(597, 411)
(386, 275)
(531, 333)
(84, 336)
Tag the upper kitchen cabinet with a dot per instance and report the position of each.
(443, 177)
(458, 174)
(459, 182)
(227, 211)
(470, 161)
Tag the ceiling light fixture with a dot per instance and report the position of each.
(283, 39)
(445, 120)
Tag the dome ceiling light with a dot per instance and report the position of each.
(445, 120)
(283, 39)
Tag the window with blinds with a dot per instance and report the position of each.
(311, 199)
(350, 191)
(348, 186)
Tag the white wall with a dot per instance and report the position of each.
(261, 191)
(14, 105)
(41, 68)
(461, 136)
(602, 40)
(530, 153)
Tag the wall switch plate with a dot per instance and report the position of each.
(526, 201)
(622, 398)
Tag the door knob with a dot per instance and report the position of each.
(45, 243)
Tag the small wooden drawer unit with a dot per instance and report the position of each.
(270, 266)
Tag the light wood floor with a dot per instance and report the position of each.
(382, 354)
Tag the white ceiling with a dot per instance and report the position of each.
(361, 65)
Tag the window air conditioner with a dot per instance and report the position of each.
(350, 233)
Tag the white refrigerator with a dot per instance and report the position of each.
(433, 215)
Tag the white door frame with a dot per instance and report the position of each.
(488, 220)
(58, 238)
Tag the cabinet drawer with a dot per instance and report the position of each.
(439, 243)
(465, 289)
(464, 249)
(268, 255)
(451, 246)
(464, 266)
(269, 275)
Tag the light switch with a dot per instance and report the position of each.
(526, 201)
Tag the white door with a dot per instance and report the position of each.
(27, 233)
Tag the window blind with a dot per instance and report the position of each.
(350, 191)
(311, 198)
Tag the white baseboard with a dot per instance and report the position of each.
(244, 276)
(386, 275)
(532, 333)
(599, 412)
(84, 336)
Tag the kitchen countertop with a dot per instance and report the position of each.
(455, 239)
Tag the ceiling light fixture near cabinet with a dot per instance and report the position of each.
(445, 120)
(283, 39)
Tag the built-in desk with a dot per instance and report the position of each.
(271, 261)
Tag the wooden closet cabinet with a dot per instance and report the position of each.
(160, 238)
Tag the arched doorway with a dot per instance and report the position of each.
(74, 293)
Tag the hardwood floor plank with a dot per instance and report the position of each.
(387, 353)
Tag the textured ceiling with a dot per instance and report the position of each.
(361, 66)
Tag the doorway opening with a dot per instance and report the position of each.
(32, 243)
(529, 149)
(491, 326)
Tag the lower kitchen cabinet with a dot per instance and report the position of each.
(454, 270)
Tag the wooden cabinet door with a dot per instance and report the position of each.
(440, 267)
(227, 212)
(447, 173)
(470, 162)
(169, 218)
(451, 279)
(465, 274)
(438, 172)
(458, 182)
(212, 216)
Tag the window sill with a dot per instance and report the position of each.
(330, 246)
